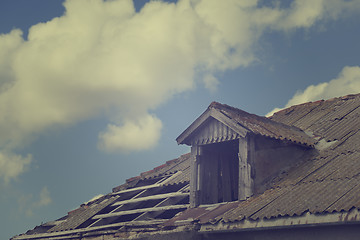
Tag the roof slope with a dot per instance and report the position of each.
(325, 183)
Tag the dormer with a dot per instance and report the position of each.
(235, 154)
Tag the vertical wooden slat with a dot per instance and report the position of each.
(194, 177)
(234, 170)
(211, 181)
(226, 178)
(213, 132)
(245, 180)
(208, 180)
(220, 185)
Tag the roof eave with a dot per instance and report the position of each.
(306, 219)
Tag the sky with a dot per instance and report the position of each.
(94, 92)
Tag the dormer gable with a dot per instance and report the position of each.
(213, 131)
(235, 154)
(242, 123)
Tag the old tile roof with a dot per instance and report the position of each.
(178, 165)
(76, 217)
(249, 123)
(327, 182)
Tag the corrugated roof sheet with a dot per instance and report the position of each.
(315, 197)
(80, 215)
(264, 126)
(183, 177)
(179, 164)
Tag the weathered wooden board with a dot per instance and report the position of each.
(141, 210)
(152, 197)
(245, 180)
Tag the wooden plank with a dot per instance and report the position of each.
(138, 188)
(138, 194)
(167, 201)
(246, 183)
(141, 210)
(251, 167)
(158, 196)
(226, 178)
(163, 181)
(213, 182)
(143, 223)
(209, 177)
(234, 169)
(194, 184)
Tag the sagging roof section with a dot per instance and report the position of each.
(239, 123)
(147, 200)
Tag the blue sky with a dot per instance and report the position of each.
(99, 90)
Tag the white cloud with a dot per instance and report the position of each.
(131, 136)
(12, 165)
(348, 82)
(9, 44)
(44, 198)
(102, 57)
(28, 205)
(211, 82)
(306, 13)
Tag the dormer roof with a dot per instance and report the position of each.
(240, 123)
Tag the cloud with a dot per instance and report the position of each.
(44, 198)
(28, 205)
(347, 82)
(104, 58)
(12, 165)
(306, 13)
(211, 82)
(131, 136)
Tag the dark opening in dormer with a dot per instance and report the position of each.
(219, 168)
(234, 154)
